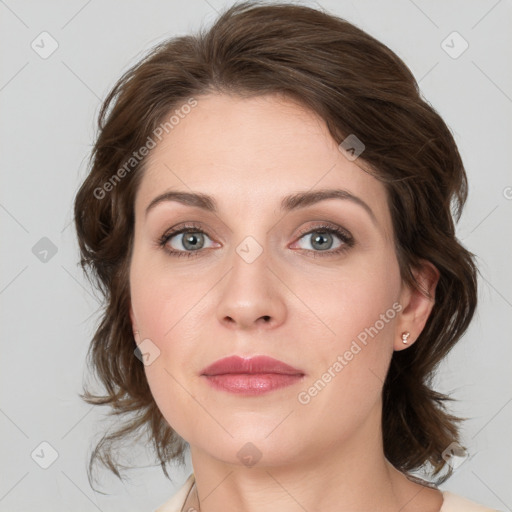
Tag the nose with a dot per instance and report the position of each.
(251, 295)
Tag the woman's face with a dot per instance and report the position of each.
(262, 275)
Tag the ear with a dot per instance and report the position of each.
(417, 304)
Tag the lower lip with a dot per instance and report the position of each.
(252, 384)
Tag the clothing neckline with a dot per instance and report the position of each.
(191, 481)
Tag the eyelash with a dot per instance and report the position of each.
(343, 235)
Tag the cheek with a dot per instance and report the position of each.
(161, 297)
(362, 297)
(166, 308)
(352, 363)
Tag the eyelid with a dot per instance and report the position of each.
(180, 227)
(325, 225)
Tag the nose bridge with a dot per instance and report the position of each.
(251, 294)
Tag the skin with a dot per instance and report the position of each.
(324, 455)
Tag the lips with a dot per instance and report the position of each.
(250, 376)
(250, 366)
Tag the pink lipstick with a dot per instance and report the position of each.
(251, 376)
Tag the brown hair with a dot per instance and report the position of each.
(358, 86)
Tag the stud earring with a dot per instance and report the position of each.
(405, 336)
(136, 335)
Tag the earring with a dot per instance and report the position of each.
(136, 335)
(405, 336)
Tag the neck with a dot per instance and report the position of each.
(352, 474)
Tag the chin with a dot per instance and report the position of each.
(253, 447)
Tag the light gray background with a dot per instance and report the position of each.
(48, 114)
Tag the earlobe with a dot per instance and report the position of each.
(405, 337)
(417, 305)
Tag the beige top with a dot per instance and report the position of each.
(451, 503)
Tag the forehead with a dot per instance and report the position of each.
(251, 152)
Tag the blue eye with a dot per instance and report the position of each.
(193, 241)
(322, 239)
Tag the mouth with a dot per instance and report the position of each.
(251, 376)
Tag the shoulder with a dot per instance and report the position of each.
(455, 503)
(177, 501)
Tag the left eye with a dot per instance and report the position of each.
(324, 239)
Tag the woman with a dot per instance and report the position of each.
(268, 213)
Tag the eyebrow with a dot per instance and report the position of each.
(288, 203)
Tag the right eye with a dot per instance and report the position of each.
(189, 240)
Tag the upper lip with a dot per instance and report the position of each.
(250, 365)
